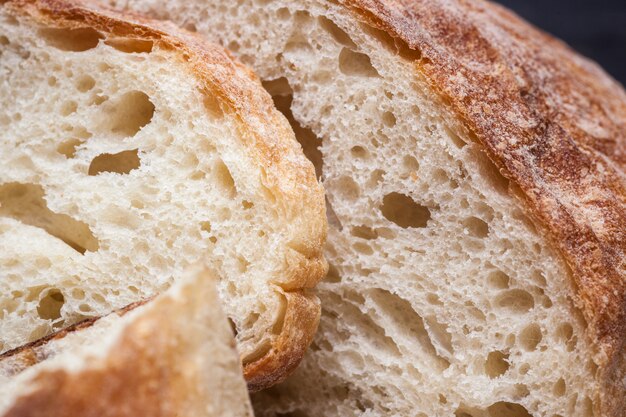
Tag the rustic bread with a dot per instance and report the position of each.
(174, 356)
(475, 171)
(132, 149)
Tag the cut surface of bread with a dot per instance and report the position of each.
(130, 149)
(174, 356)
(475, 173)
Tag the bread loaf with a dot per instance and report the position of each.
(174, 356)
(475, 172)
(129, 150)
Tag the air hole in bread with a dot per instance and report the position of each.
(440, 336)
(559, 388)
(50, 304)
(364, 232)
(78, 294)
(404, 320)
(359, 152)
(298, 43)
(128, 114)
(85, 83)
(224, 179)
(85, 308)
(68, 148)
(76, 40)
(410, 165)
(38, 332)
(376, 177)
(404, 211)
(515, 300)
(476, 227)
(497, 364)
(26, 203)
(283, 13)
(530, 337)
(242, 264)
(98, 99)
(233, 46)
(507, 409)
(363, 248)
(118, 163)
(338, 34)
(130, 45)
(498, 279)
(356, 64)
(389, 120)
(564, 332)
(282, 94)
(347, 188)
(205, 226)
(68, 108)
(4, 41)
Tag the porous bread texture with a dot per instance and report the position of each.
(124, 159)
(443, 298)
(172, 356)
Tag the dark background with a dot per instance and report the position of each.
(596, 28)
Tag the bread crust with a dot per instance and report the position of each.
(286, 174)
(554, 124)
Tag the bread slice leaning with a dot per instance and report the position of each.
(475, 172)
(129, 150)
(174, 356)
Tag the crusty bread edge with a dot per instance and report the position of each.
(483, 101)
(288, 175)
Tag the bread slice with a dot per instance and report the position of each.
(131, 150)
(475, 171)
(174, 356)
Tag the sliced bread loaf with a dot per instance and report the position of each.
(174, 356)
(475, 170)
(130, 149)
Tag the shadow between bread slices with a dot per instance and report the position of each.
(131, 149)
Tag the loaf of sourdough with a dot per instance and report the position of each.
(174, 356)
(475, 171)
(131, 149)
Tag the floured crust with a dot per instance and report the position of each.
(286, 174)
(555, 125)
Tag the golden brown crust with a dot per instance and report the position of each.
(555, 125)
(286, 174)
